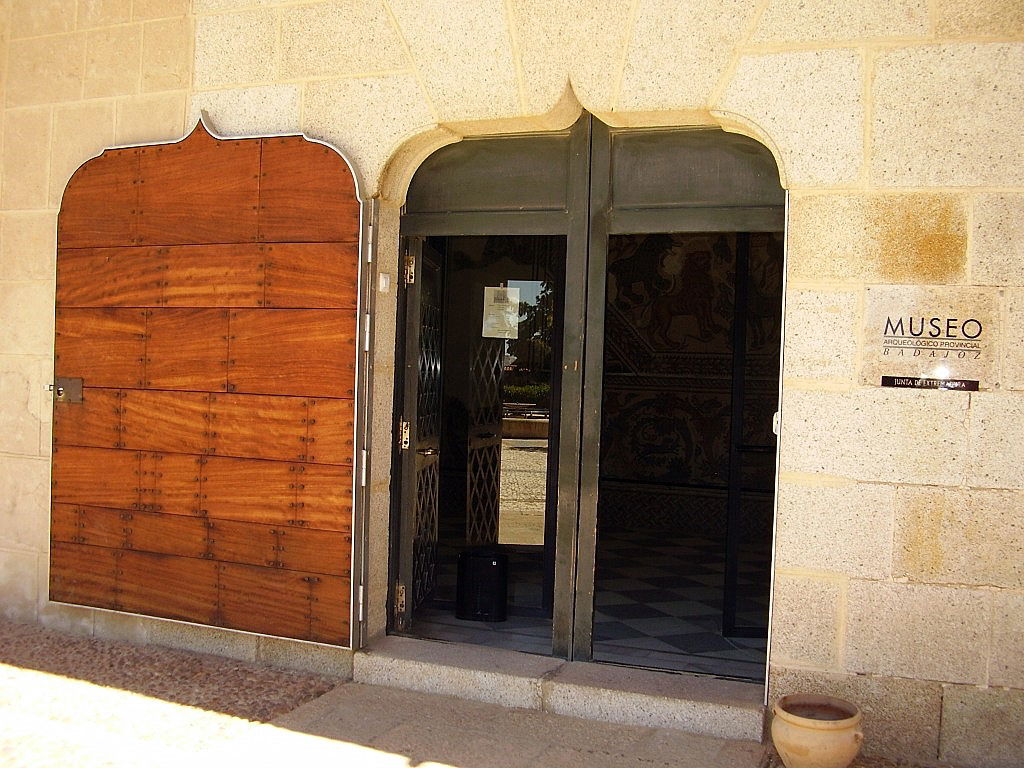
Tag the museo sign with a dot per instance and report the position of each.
(929, 337)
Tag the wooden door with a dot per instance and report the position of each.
(207, 296)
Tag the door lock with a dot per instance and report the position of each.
(67, 390)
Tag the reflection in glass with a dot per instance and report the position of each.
(500, 371)
(668, 453)
(525, 424)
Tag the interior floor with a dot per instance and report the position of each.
(658, 603)
(530, 633)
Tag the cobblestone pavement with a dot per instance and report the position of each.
(77, 702)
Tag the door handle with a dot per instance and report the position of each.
(427, 451)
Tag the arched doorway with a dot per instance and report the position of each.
(589, 375)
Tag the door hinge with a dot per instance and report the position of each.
(404, 435)
(410, 265)
(362, 469)
(359, 602)
(366, 328)
(400, 600)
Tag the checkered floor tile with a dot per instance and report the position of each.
(657, 603)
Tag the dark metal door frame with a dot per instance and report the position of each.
(403, 512)
(418, 442)
(570, 532)
(587, 218)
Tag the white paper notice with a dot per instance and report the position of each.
(501, 313)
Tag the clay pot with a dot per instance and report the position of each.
(816, 731)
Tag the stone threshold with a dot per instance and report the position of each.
(725, 709)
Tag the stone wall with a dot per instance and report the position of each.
(76, 78)
(897, 127)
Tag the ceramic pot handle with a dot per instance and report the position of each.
(858, 736)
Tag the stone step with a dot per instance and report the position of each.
(726, 709)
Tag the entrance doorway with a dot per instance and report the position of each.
(588, 374)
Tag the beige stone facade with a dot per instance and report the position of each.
(899, 571)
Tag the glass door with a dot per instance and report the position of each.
(603, 385)
(485, 436)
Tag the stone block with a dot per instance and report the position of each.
(997, 422)
(901, 716)
(147, 119)
(26, 157)
(468, 671)
(918, 631)
(821, 334)
(382, 426)
(809, 104)
(882, 238)
(25, 503)
(954, 536)
(31, 18)
(112, 61)
(468, 71)
(249, 111)
(720, 708)
(235, 48)
(996, 18)
(384, 327)
(791, 21)
(876, 435)
(317, 658)
(388, 242)
(102, 13)
(80, 132)
(997, 240)
(21, 409)
(982, 727)
(29, 245)
(919, 93)
(203, 639)
(122, 627)
(845, 529)
(338, 38)
(208, 6)
(679, 51)
(367, 119)
(46, 411)
(806, 620)
(942, 333)
(166, 54)
(69, 619)
(1006, 659)
(19, 579)
(379, 534)
(26, 315)
(1013, 340)
(556, 43)
(45, 70)
(143, 10)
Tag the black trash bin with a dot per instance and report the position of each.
(482, 587)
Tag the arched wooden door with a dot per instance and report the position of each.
(207, 300)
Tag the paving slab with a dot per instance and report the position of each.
(89, 703)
